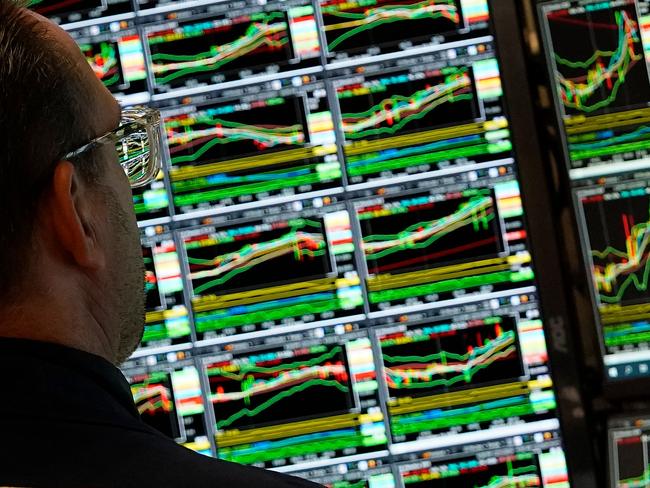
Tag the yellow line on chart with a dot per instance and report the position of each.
(363, 147)
(258, 161)
(239, 437)
(212, 302)
(387, 281)
(613, 314)
(464, 397)
(580, 124)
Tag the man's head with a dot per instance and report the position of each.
(70, 267)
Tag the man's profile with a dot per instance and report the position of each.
(71, 277)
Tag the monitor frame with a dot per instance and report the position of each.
(590, 325)
(536, 193)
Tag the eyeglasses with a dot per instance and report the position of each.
(138, 144)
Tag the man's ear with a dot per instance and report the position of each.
(69, 208)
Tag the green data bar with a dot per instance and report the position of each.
(450, 285)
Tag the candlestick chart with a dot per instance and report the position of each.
(213, 51)
(273, 253)
(270, 271)
(314, 383)
(515, 471)
(603, 69)
(619, 233)
(457, 228)
(154, 398)
(225, 153)
(617, 226)
(354, 26)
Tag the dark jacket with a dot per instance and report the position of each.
(67, 419)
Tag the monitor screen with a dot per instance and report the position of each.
(629, 440)
(339, 278)
(598, 53)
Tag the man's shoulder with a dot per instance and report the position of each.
(208, 469)
(74, 455)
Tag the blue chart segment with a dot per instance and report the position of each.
(418, 118)
(290, 403)
(266, 274)
(277, 144)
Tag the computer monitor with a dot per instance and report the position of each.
(628, 438)
(598, 53)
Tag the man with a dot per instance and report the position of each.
(71, 277)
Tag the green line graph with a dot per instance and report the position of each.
(297, 242)
(605, 69)
(262, 32)
(477, 212)
(624, 264)
(223, 131)
(417, 372)
(354, 23)
(246, 368)
(246, 412)
(392, 114)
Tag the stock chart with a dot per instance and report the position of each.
(602, 83)
(458, 377)
(271, 145)
(304, 399)
(338, 278)
(602, 92)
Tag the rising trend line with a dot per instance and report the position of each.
(392, 114)
(576, 92)
(374, 17)
(478, 212)
(431, 371)
(258, 34)
(296, 242)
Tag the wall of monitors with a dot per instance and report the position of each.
(339, 282)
